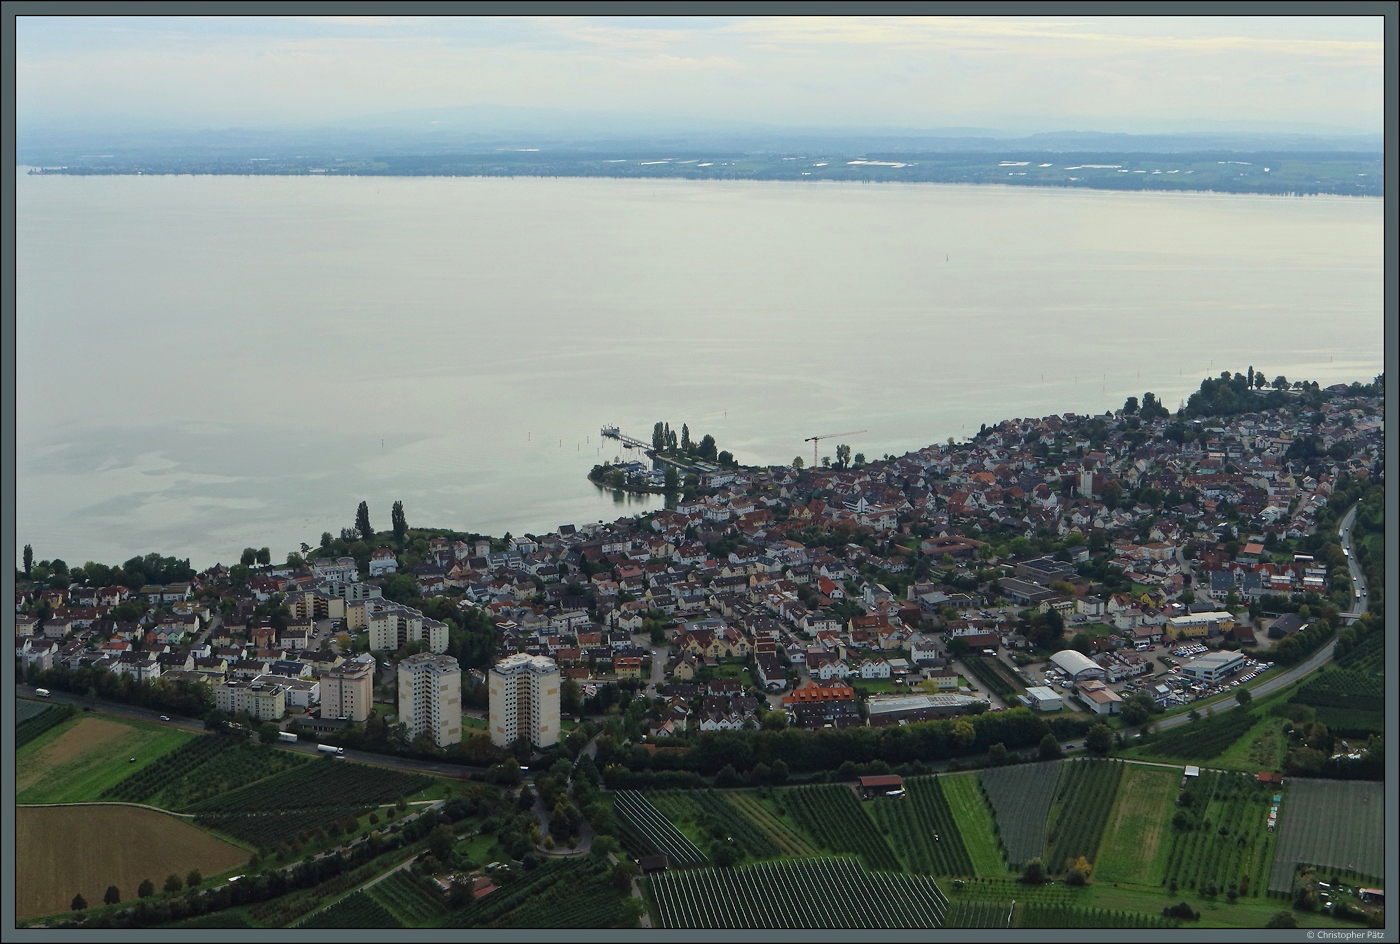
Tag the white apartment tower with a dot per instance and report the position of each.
(430, 697)
(525, 701)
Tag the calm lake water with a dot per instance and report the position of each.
(206, 363)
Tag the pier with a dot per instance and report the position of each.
(631, 442)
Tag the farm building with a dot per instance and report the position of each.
(894, 709)
(876, 785)
(1077, 665)
(1213, 666)
(1042, 698)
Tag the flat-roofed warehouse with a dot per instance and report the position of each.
(1042, 698)
(1213, 666)
(1077, 665)
(893, 709)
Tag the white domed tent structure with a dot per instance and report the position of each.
(1077, 666)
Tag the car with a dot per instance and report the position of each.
(165, 717)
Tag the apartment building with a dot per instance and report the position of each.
(430, 697)
(524, 692)
(347, 691)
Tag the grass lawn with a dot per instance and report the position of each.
(479, 723)
(735, 671)
(1217, 913)
(480, 848)
(878, 686)
(975, 823)
(1261, 748)
(1136, 839)
(85, 755)
(1093, 630)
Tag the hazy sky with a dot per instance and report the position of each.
(1137, 74)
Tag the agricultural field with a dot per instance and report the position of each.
(1137, 833)
(978, 829)
(832, 816)
(979, 914)
(1020, 798)
(80, 758)
(922, 829)
(709, 814)
(1201, 740)
(1033, 915)
(34, 718)
(303, 799)
(1336, 824)
(1080, 811)
(789, 841)
(201, 768)
(1350, 702)
(357, 910)
(121, 846)
(647, 832)
(795, 893)
(1220, 839)
(408, 899)
(562, 893)
(994, 675)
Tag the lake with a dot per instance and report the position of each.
(208, 363)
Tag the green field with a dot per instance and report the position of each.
(1220, 840)
(1020, 798)
(1136, 837)
(975, 823)
(85, 755)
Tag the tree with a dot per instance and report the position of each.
(1050, 748)
(1243, 696)
(173, 883)
(672, 478)
(194, 879)
(796, 464)
(28, 559)
(264, 556)
(707, 448)
(112, 896)
(249, 557)
(725, 854)
(685, 437)
(1282, 919)
(1280, 382)
(658, 437)
(79, 903)
(146, 889)
(962, 734)
(843, 456)
(858, 460)
(362, 522)
(268, 732)
(1034, 872)
(400, 522)
(997, 754)
(1099, 740)
(326, 540)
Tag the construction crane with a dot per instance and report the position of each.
(816, 441)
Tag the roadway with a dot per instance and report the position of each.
(1346, 534)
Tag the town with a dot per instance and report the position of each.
(1054, 584)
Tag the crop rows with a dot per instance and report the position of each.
(923, 829)
(979, 914)
(1349, 722)
(314, 786)
(789, 842)
(651, 833)
(1020, 799)
(1010, 889)
(712, 811)
(201, 769)
(1220, 839)
(50, 717)
(353, 911)
(268, 830)
(1338, 824)
(26, 709)
(1085, 800)
(987, 674)
(1366, 656)
(408, 899)
(796, 893)
(531, 895)
(832, 816)
(1205, 739)
(1350, 690)
(1035, 915)
(156, 776)
(581, 901)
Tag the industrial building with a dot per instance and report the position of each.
(1042, 698)
(1213, 666)
(1077, 666)
(524, 693)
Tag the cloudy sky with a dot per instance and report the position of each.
(1134, 74)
